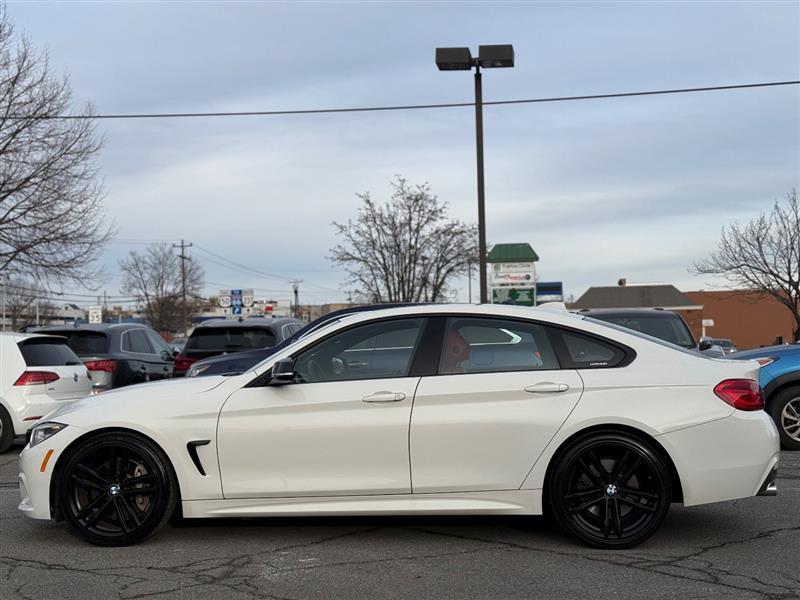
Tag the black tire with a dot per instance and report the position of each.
(6, 430)
(610, 490)
(116, 489)
(784, 408)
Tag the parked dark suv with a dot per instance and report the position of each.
(118, 354)
(224, 336)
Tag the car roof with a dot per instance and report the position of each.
(627, 312)
(252, 322)
(99, 327)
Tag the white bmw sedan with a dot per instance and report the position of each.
(447, 409)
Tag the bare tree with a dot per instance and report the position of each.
(405, 250)
(51, 214)
(25, 300)
(155, 279)
(763, 255)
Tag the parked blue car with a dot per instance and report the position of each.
(780, 381)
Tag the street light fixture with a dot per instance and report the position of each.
(461, 59)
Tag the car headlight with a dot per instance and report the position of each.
(43, 431)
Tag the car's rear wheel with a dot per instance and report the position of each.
(610, 490)
(784, 409)
(117, 489)
(6, 430)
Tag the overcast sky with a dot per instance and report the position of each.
(635, 187)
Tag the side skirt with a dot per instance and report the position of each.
(506, 502)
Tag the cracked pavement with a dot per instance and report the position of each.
(748, 548)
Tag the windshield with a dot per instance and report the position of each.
(84, 343)
(669, 329)
(234, 338)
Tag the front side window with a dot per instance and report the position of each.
(158, 343)
(372, 351)
(488, 345)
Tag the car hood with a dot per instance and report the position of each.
(768, 351)
(142, 399)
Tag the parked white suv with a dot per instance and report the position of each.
(38, 373)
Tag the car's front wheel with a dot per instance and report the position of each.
(610, 490)
(784, 409)
(116, 489)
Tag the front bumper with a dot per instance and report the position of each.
(36, 467)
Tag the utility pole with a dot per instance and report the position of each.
(183, 245)
(296, 287)
(5, 281)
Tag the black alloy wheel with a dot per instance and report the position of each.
(117, 489)
(610, 490)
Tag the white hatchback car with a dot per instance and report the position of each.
(447, 409)
(38, 373)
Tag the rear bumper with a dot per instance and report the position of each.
(726, 459)
(770, 485)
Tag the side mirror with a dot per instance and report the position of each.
(282, 372)
(166, 356)
(704, 345)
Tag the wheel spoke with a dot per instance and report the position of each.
(92, 519)
(120, 516)
(605, 519)
(131, 510)
(617, 518)
(88, 484)
(91, 472)
(636, 505)
(582, 494)
(637, 493)
(142, 491)
(595, 462)
(147, 478)
(113, 463)
(619, 465)
(587, 504)
(91, 505)
(629, 470)
(588, 470)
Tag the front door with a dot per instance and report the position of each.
(497, 401)
(341, 428)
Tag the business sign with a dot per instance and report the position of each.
(708, 322)
(511, 295)
(549, 291)
(95, 314)
(516, 274)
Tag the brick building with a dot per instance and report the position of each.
(749, 319)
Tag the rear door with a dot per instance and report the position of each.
(499, 397)
(52, 355)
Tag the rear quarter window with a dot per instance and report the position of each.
(47, 353)
(580, 351)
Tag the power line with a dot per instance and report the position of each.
(316, 111)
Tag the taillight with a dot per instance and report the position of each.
(744, 394)
(109, 366)
(36, 378)
(183, 362)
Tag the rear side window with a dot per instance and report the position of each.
(85, 343)
(136, 341)
(220, 339)
(488, 345)
(586, 352)
(47, 353)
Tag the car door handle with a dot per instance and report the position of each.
(384, 397)
(547, 387)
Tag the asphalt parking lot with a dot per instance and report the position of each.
(744, 549)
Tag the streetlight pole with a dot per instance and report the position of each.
(460, 59)
(484, 293)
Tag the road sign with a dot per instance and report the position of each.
(510, 295)
(236, 302)
(95, 314)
